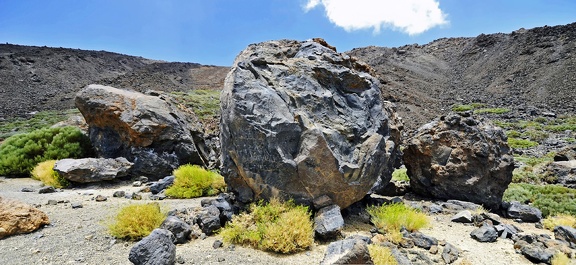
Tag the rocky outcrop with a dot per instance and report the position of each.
(92, 169)
(151, 131)
(19, 218)
(564, 173)
(459, 157)
(300, 120)
(523, 212)
(156, 249)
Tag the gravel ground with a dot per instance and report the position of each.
(78, 236)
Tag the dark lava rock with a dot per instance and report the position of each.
(156, 249)
(162, 184)
(485, 234)
(524, 212)
(86, 170)
(328, 222)
(180, 229)
(347, 251)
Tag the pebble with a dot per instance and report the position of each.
(180, 260)
(143, 179)
(47, 189)
(27, 190)
(76, 205)
(52, 202)
(157, 197)
(136, 196)
(136, 184)
(217, 244)
(221, 259)
(100, 198)
(119, 194)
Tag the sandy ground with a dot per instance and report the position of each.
(79, 236)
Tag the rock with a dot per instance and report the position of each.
(157, 197)
(26, 189)
(156, 249)
(328, 222)
(224, 204)
(217, 244)
(101, 198)
(47, 189)
(119, 194)
(152, 131)
(162, 184)
(462, 217)
(565, 233)
(461, 158)
(564, 171)
(450, 253)
(92, 169)
(76, 205)
(136, 196)
(209, 219)
(394, 188)
(52, 202)
(137, 184)
(484, 234)
(537, 254)
(523, 212)
(19, 218)
(180, 229)
(423, 241)
(347, 251)
(506, 230)
(301, 121)
(322, 202)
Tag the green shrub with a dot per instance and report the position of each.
(21, 152)
(390, 218)
(136, 221)
(550, 199)
(513, 133)
(462, 108)
(492, 111)
(44, 172)
(193, 181)
(520, 143)
(205, 103)
(381, 255)
(536, 135)
(42, 119)
(400, 174)
(559, 220)
(282, 227)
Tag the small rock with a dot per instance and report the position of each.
(347, 251)
(119, 194)
(565, 233)
(484, 234)
(450, 253)
(143, 179)
(435, 208)
(524, 212)
(209, 219)
(136, 184)
(157, 197)
(506, 230)
(537, 254)
(232, 247)
(462, 217)
(180, 260)
(76, 205)
(27, 190)
(180, 229)
(52, 202)
(217, 244)
(161, 185)
(328, 222)
(423, 241)
(433, 250)
(221, 259)
(47, 189)
(136, 196)
(101, 198)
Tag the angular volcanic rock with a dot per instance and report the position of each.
(300, 120)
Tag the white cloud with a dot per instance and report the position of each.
(409, 16)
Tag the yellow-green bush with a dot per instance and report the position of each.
(44, 172)
(381, 255)
(136, 221)
(390, 218)
(400, 174)
(193, 181)
(560, 259)
(21, 152)
(559, 220)
(282, 227)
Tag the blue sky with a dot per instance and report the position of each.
(215, 31)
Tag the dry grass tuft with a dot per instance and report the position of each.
(390, 218)
(560, 259)
(44, 172)
(193, 181)
(381, 255)
(136, 221)
(282, 227)
(559, 220)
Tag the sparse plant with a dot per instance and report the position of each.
(492, 111)
(550, 199)
(20, 153)
(44, 172)
(520, 143)
(390, 218)
(466, 261)
(282, 227)
(194, 181)
(39, 120)
(560, 258)
(137, 221)
(400, 174)
(462, 108)
(559, 220)
(205, 103)
(381, 255)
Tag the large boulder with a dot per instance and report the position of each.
(300, 121)
(459, 157)
(19, 218)
(152, 131)
(564, 172)
(92, 169)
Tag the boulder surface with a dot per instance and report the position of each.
(92, 169)
(300, 121)
(19, 218)
(152, 131)
(459, 157)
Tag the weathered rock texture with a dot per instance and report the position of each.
(19, 218)
(156, 249)
(458, 157)
(92, 169)
(149, 130)
(300, 120)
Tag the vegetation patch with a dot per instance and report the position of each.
(492, 111)
(42, 119)
(462, 108)
(521, 143)
(400, 174)
(193, 181)
(282, 227)
(550, 199)
(390, 218)
(204, 103)
(44, 172)
(559, 220)
(21, 152)
(137, 221)
(560, 258)
(381, 255)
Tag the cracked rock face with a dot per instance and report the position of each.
(300, 120)
(458, 157)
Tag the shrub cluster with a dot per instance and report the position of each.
(559, 220)
(381, 255)
(400, 175)
(194, 181)
(550, 199)
(136, 221)
(282, 227)
(44, 172)
(20, 153)
(390, 218)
